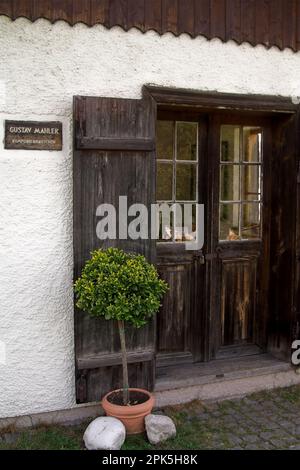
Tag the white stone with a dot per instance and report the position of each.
(104, 433)
(159, 428)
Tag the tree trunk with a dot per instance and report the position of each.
(124, 362)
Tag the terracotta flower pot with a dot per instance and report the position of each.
(132, 416)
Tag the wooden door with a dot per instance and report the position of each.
(234, 296)
(113, 156)
(238, 235)
(181, 160)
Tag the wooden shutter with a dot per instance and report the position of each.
(114, 144)
(284, 269)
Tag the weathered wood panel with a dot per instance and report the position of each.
(233, 20)
(218, 19)
(173, 321)
(296, 306)
(102, 176)
(268, 22)
(180, 336)
(238, 300)
(180, 332)
(283, 312)
(262, 21)
(210, 101)
(202, 18)
(248, 20)
(237, 273)
(93, 384)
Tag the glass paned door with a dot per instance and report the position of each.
(179, 147)
(177, 177)
(240, 205)
(238, 251)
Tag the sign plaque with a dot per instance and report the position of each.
(33, 135)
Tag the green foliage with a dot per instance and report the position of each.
(119, 286)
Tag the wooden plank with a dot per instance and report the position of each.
(217, 371)
(233, 20)
(218, 19)
(127, 119)
(172, 359)
(202, 18)
(238, 351)
(6, 8)
(297, 26)
(153, 15)
(248, 21)
(173, 319)
(118, 13)
(105, 360)
(186, 16)
(22, 8)
(289, 22)
(100, 12)
(42, 8)
(262, 9)
(276, 24)
(82, 11)
(170, 16)
(238, 300)
(95, 383)
(62, 10)
(259, 103)
(90, 143)
(136, 14)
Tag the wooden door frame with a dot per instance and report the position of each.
(257, 105)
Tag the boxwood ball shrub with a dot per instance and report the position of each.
(120, 286)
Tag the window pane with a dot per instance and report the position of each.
(166, 227)
(230, 183)
(185, 222)
(230, 144)
(252, 144)
(251, 183)
(251, 220)
(186, 175)
(229, 221)
(179, 223)
(187, 141)
(165, 140)
(164, 182)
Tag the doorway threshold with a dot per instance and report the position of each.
(222, 379)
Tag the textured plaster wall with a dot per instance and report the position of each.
(42, 66)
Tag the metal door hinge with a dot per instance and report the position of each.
(210, 256)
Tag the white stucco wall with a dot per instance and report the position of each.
(42, 66)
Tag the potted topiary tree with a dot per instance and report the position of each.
(125, 288)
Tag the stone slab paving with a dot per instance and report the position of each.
(266, 420)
